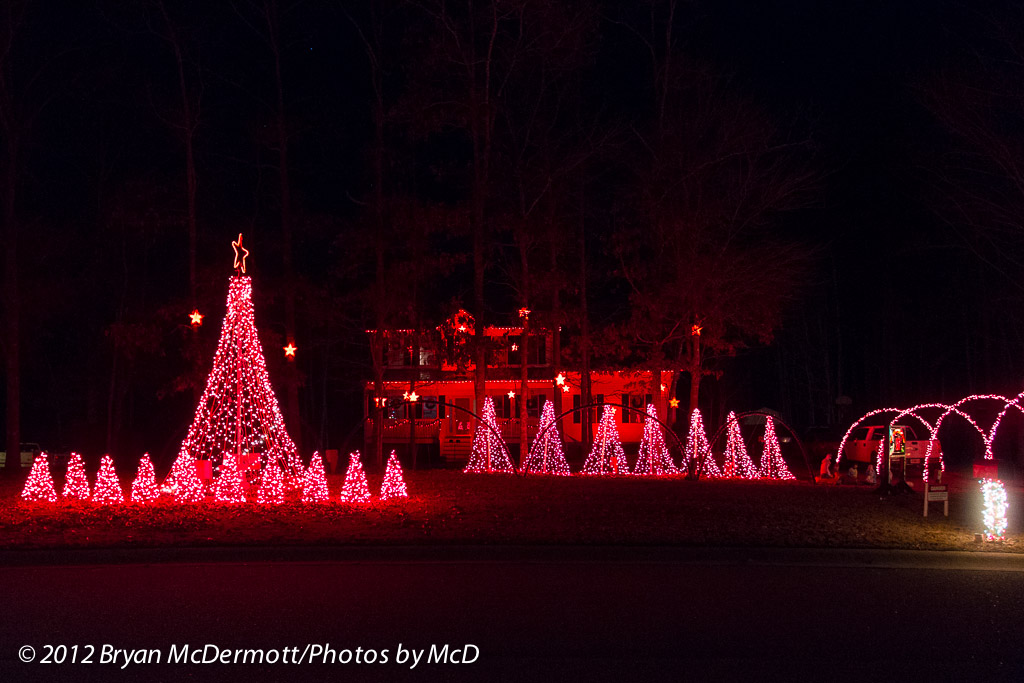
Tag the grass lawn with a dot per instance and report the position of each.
(451, 507)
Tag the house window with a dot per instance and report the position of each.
(637, 401)
(502, 406)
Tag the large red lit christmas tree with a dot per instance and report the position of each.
(546, 455)
(607, 456)
(654, 457)
(772, 464)
(489, 453)
(238, 413)
(737, 460)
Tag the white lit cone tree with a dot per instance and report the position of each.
(698, 450)
(737, 460)
(772, 464)
(489, 453)
(654, 459)
(238, 413)
(546, 455)
(607, 456)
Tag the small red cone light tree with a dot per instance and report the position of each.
(393, 485)
(606, 456)
(314, 484)
(355, 489)
(698, 450)
(108, 487)
(737, 460)
(271, 491)
(654, 457)
(39, 485)
(489, 453)
(772, 464)
(144, 487)
(229, 487)
(76, 485)
(546, 455)
(183, 481)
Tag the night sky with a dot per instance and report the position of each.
(910, 298)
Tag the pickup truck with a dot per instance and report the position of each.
(862, 446)
(29, 451)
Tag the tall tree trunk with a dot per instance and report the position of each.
(556, 325)
(695, 372)
(292, 371)
(585, 394)
(12, 313)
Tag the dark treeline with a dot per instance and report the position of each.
(832, 197)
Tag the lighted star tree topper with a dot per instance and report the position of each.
(606, 456)
(772, 464)
(654, 459)
(489, 453)
(393, 486)
(239, 413)
(546, 455)
(698, 450)
(737, 460)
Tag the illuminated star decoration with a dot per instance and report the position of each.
(565, 388)
(524, 312)
(196, 318)
(674, 402)
(663, 387)
(239, 262)
(289, 351)
(411, 397)
(515, 347)
(511, 394)
(696, 330)
(560, 379)
(462, 328)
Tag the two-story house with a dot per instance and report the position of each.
(435, 365)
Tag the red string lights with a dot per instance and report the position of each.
(654, 457)
(314, 484)
(606, 456)
(39, 485)
(144, 487)
(772, 464)
(108, 487)
(183, 481)
(546, 455)
(355, 489)
(489, 453)
(271, 491)
(737, 460)
(393, 486)
(76, 485)
(238, 412)
(229, 487)
(698, 450)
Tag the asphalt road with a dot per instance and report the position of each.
(542, 614)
